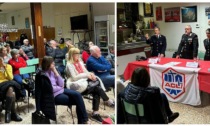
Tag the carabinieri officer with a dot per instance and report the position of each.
(157, 43)
(188, 47)
(206, 43)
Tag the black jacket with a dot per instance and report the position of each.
(158, 44)
(188, 47)
(206, 43)
(57, 54)
(44, 96)
(154, 111)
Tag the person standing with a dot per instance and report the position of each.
(206, 43)
(188, 47)
(157, 42)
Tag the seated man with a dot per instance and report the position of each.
(100, 66)
(58, 56)
(28, 49)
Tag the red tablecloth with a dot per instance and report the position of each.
(203, 74)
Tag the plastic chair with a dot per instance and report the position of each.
(32, 62)
(136, 110)
(201, 55)
(28, 70)
(148, 110)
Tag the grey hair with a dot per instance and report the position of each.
(25, 40)
(14, 52)
(93, 49)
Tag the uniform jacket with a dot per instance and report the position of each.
(158, 44)
(188, 47)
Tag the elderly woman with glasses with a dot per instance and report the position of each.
(78, 76)
(18, 62)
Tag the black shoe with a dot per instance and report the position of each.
(15, 117)
(7, 117)
(97, 117)
(173, 116)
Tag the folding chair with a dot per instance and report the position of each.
(28, 70)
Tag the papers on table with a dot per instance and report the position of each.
(172, 63)
(153, 60)
(192, 64)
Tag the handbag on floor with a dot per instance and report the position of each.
(39, 118)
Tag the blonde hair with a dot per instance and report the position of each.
(70, 46)
(1, 49)
(71, 52)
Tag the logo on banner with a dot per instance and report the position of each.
(173, 83)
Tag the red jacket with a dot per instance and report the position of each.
(17, 64)
(85, 56)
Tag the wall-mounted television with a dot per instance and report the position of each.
(79, 22)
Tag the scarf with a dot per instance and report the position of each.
(78, 67)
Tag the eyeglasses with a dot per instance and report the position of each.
(76, 53)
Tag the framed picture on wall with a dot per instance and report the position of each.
(172, 14)
(159, 14)
(27, 23)
(189, 14)
(13, 20)
(148, 9)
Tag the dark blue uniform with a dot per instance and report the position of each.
(158, 44)
(188, 47)
(206, 43)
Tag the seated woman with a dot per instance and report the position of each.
(140, 81)
(4, 54)
(77, 73)
(9, 90)
(64, 96)
(86, 51)
(18, 62)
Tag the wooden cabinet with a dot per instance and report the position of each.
(49, 33)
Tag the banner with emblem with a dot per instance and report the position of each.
(179, 84)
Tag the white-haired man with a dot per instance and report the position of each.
(188, 47)
(28, 49)
(100, 66)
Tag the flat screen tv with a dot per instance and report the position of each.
(79, 22)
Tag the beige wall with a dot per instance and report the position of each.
(103, 9)
(58, 15)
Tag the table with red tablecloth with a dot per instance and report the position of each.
(203, 73)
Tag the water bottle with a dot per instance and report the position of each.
(159, 57)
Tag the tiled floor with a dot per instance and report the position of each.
(188, 114)
(63, 116)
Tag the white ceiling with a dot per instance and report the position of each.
(9, 7)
